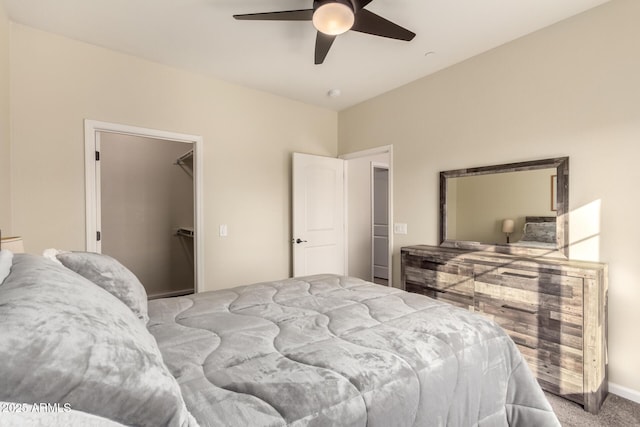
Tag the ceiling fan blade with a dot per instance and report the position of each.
(285, 15)
(370, 23)
(361, 4)
(323, 44)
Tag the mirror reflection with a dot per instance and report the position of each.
(512, 207)
(517, 208)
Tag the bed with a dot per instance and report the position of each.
(323, 350)
(538, 232)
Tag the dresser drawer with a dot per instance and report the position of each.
(530, 324)
(559, 296)
(449, 282)
(558, 372)
(445, 277)
(459, 300)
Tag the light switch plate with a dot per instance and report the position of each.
(400, 228)
(223, 230)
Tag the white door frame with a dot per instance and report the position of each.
(374, 166)
(388, 149)
(92, 129)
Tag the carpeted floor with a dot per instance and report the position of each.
(616, 412)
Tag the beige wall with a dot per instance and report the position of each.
(5, 151)
(569, 90)
(145, 198)
(248, 136)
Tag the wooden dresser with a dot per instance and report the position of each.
(554, 310)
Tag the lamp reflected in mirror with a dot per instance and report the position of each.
(508, 226)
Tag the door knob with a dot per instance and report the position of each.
(298, 241)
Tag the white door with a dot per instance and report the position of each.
(318, 215)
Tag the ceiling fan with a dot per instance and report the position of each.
(334, 17)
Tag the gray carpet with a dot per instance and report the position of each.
(616, 412)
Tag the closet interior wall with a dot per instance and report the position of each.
(146, 198)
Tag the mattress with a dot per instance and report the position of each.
(329, 350)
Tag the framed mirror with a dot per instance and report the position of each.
(517, 208)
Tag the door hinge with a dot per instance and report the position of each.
(97, 156)
(98, 236)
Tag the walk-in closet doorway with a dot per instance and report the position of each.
(143, 204)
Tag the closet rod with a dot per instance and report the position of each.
(185, 232)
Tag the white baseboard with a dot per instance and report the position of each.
(179, 293)
(625, 392)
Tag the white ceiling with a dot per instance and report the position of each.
(277, 57)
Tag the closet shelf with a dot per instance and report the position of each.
(186, 156)
(185, 232)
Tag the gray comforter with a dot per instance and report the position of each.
(336, 351)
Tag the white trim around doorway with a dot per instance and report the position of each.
(384, 166)
(91, 141)
(385, 149)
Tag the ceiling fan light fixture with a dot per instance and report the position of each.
(333, 18)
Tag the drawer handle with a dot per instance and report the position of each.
(525, 310)
(524, 343)
(524, 276)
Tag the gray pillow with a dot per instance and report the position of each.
(110, 275)
(65, 341)
(544, 232)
